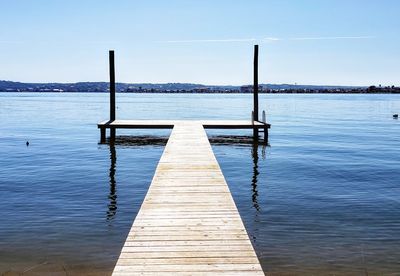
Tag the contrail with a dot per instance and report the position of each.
(331, 38)
(267, 39)
(221, 40)
(56, 42)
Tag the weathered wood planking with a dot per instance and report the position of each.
(188, 223)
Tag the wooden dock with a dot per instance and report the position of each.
(188, 223)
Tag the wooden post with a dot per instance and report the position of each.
(255, 83)
(112, 92)
(266, 135)
(102, 135)
(255, 90)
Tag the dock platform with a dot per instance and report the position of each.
(169, 124)
(188, 223)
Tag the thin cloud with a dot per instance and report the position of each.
(221, 40)
(267, 39)
(99, 42)
(331, 38)
(57, 42)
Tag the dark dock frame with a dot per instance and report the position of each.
(255, 124)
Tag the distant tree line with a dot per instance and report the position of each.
(8, 86)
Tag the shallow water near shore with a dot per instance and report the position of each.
(323, 199)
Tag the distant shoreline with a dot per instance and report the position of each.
(191, 88)
(211, 92)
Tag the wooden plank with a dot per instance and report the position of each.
(193, 273)
(186, 243)
(182, 261)
(191, 248)
(187, 267)
(188, 223)
(187, 237)
(187, 254)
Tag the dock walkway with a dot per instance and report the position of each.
(188, 223)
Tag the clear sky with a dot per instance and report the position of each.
(338, 42)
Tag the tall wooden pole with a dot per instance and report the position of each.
(112, 86)
(255, 90)
(112, 92)
(255, 83)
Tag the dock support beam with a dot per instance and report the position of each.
(255, 91)
(112, 92)
(102, 135)
(266, 136)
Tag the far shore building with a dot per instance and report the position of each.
(249, 88)
(201, 90)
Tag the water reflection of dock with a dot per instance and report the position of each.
(112, 206)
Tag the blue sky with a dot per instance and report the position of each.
(344, 42)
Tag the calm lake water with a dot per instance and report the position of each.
(323, 199)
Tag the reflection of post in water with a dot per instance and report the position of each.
(112, 206)
(254, 153)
